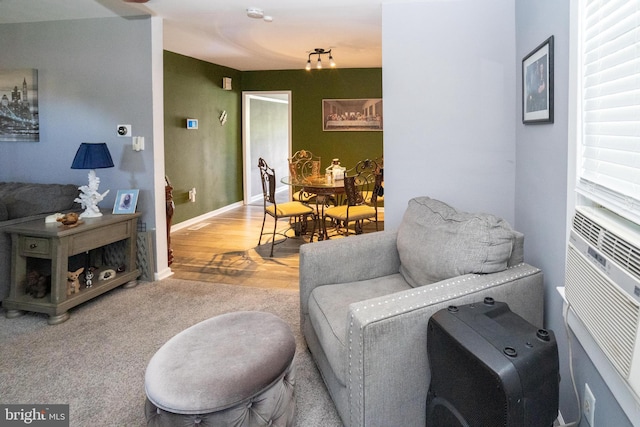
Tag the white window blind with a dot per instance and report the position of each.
(610, 152)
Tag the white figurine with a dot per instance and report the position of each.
(90, 197)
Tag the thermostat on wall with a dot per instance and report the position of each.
(192, 123)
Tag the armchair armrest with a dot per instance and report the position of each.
(390, 368)
(351, 259)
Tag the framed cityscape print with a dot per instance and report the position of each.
(352, 114)
(19, 121)
(537, 84)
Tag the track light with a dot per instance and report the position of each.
(320, 52)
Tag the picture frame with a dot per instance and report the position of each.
(19, 116)
(126, 201)
(347, 115)
(537, 84)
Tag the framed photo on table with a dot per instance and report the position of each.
(126, 201)
(537, 84)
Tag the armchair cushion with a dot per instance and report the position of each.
(435, 242)
(329, 309)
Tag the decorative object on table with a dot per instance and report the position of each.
(537, 84)
(37, 284)
(335, 172)
(19, 120)
(107, 274)
(73, 281)
(71, 219)
(91, 156)
(126, 201)
(53, 217)
(352, 114)
(88, 277)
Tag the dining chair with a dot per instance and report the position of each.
(362, 179)
(378, 188)
(295, 210)
(303, 164)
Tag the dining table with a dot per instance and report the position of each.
(324, 189)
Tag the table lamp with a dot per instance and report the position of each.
(91, 156)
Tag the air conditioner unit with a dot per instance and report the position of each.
(603, 286)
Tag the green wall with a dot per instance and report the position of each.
(308, 89)
(209, 158)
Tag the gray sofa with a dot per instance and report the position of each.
(366, 300)
(20, 202)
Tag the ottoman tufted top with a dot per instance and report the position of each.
(219, 362)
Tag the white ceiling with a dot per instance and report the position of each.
(220, 32)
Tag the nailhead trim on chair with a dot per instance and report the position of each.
(355, 419)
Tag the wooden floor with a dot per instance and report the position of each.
(224, 249)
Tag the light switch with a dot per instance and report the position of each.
(137, 143)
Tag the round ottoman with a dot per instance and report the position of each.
(231, 370)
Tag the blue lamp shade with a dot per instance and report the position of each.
(92, 156)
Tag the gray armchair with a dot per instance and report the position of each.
(365, 303)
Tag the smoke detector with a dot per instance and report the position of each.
(254, 12)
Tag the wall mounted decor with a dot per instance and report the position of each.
(352, 114)
(537, 84)
(19, 120)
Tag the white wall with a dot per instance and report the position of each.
(92, 75)
(542, 165)
(453, 131)
(449, 90)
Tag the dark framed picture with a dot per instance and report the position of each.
(19, 117)
(126, 201)
(537, 84)
(352, 114)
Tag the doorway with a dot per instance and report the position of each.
(266, 133)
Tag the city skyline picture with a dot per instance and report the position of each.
(19, 120)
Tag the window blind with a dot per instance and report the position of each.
(610, 152)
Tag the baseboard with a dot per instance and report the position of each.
(163, 274)
(188, 223)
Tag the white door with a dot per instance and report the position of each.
(266, 133)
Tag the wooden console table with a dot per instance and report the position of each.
(56, 243)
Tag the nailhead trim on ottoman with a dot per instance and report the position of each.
(235, 369)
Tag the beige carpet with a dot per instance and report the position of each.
(95, 361)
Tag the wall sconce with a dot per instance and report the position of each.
(320, 52)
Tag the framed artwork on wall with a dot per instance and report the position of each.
(126, 201)
(537, 84)
(352, 114)
(19, 120)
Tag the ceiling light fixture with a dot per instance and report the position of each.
(320, 52)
